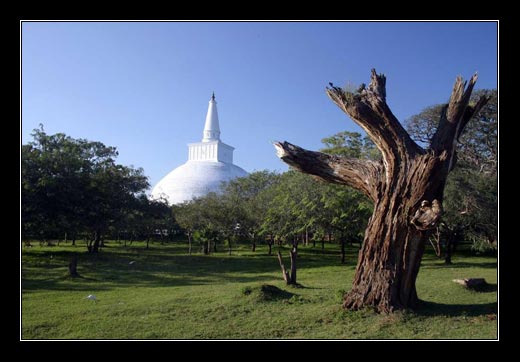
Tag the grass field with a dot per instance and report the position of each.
(167, 294)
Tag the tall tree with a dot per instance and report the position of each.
(71, 185)
(406, 187)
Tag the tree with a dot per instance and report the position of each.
(75, 185)
(246, 202)
(406, 187)
(351, 144)
(187, 219)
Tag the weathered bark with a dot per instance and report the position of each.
(402, 186)
(73, 266)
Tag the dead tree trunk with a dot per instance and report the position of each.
(285, 273)
(290, 278)
(406, 187)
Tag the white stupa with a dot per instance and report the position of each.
(210, 162)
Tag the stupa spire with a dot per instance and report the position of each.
(211, 127)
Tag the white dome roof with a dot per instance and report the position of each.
(195, 179)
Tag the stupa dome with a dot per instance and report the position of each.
(210, 163)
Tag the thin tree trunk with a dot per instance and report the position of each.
(89, 243)
(285, 274)
(189, 243)
(294, 254)
(214, 246)
(342, 241)
(406, 187)
(229, 246)
(253, 248)
(97, 240)
(448, 249)
(74, 240)
(322, 245)
(147, 242)
(73, 265)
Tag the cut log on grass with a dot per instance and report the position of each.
(472, 283)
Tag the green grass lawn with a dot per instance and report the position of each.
(167, 294)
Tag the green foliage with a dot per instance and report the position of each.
(484, 246)
(167, 294)
(351, 144)
(75, 186)
(283, 207)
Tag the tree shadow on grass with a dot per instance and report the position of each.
(455, 310)
(105, 272)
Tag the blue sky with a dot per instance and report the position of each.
(145, 87)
